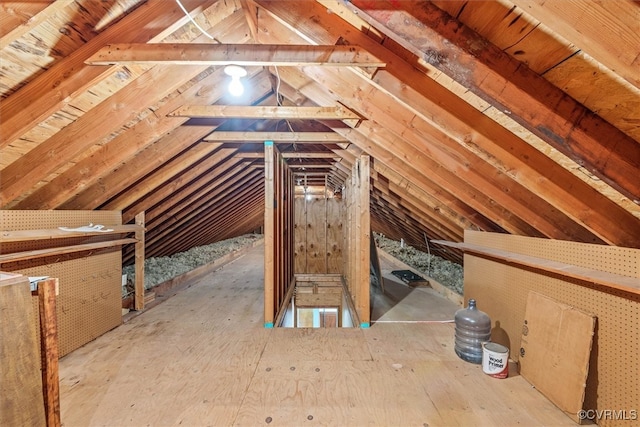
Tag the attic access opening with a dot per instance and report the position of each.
(315, 234)
(317, 301)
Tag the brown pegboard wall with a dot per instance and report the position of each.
(89, 302)
(501, 290)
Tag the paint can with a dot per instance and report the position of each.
(495, 360)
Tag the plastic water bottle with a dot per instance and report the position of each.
(473, 327)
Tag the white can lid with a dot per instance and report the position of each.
(498, 348)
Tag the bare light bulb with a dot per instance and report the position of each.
(235, 72)
(235, 87)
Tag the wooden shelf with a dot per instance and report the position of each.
(623, 283)
(56, 233)
(19, 256)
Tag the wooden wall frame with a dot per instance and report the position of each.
(278, 232)
(357, 244)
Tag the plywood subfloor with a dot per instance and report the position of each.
(402, 303)
(203, 358)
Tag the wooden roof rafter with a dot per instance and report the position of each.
(398, 82)
(528, 98)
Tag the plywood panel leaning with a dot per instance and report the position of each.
(555, 349)
(21, 401)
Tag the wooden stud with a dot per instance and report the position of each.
(269, 233)
(139, 262)
(49, 350)
(70, 76)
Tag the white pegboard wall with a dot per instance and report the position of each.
(501, 290)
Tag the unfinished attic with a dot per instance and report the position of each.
(325, 155)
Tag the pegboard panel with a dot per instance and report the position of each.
(13, 220)
(612, 259)
(90, 301)
(501, 291)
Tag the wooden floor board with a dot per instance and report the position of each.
(203, 358)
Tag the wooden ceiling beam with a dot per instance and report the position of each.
(436, 222)
(454, 118)
(166, 179)
(526, 97)
(420, 221)
(310, 155)
(177, 233)
(190, 228)
(133, 142)
(199, 222)
(70, 76)
(251, 14)
(152, 157)
(476, 207)
(233, 227)
(419, 164)
(265, 112)
(214, 181)
(607, 31)
(163, 215)
(31, 19)
(234, 54)
(277, 137)
(195, 215)
(21, 176)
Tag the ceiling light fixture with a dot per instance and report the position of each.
(235, 72)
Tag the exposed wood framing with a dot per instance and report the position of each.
(270, 260)
(139, 262)
(241, 54)
(230, 111)
(509, 117)
(278, 137)
(357, 245)
(527, 98)
(70, 76)
(278, 232)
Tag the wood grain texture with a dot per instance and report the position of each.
(215, 364)
(49, 350)
(21, 398)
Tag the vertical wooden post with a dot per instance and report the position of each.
(139, 267)
(49, 350)
(269, 233)
(363, 230)
(279, 243)
(326, 229)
